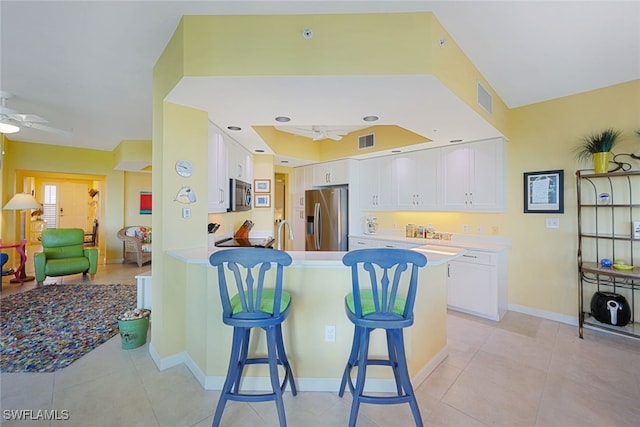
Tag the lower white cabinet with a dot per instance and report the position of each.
(477, 284)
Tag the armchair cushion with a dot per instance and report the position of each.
(63, 253)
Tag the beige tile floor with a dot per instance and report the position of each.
(522, 371)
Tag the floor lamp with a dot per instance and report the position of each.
(21, 202)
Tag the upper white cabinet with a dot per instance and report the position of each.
(415, 180)
(331, 173)
(240, 162)
(218, 178)
(376, 187)
(473, 176)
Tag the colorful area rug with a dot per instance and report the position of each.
(47, 328)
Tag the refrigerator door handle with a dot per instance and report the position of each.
(316, 226)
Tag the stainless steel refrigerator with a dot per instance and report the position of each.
(327, 219)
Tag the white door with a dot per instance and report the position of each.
(73, 206)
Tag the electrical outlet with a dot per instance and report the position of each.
(329, 333)
(552, 222)
(186, 212)
(479, 229)
(465, 228)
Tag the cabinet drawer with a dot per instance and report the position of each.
(476, 257)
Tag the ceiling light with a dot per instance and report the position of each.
(283, 119)
(8, 128)
(234, 128)
(370, 118)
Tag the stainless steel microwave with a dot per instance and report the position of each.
(241, 195)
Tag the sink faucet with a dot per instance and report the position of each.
(279, 233)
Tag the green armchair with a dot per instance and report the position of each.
(63, 253)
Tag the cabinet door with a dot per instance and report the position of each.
(240, 162)
(218, 178)
(376, 186)
(473, 176)
(455, 177)
(298, 230)
(300, 187)
(331, 173)
(486, 173)
(415, 176)
(472, 288)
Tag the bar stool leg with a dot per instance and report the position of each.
(273, 373)
(282, 357)
(233, 374)
(353, 358)
(363, 351)
(403, 371)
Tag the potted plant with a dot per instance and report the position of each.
(598, 146)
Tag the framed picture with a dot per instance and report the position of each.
(262, 201)
(262, 186)
(544, 192)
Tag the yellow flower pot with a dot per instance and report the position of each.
(601, 162)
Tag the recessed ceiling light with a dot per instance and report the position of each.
(455, 140)
(235, 128)
(283, 119)
(370, 118)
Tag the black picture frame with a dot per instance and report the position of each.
(544, 191)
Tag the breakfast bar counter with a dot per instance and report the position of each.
(318, 283)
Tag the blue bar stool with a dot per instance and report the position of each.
(390, 278)
(254, 305)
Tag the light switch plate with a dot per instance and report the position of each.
(552, 222)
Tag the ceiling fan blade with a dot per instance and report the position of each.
(45, 128)
(33, 118)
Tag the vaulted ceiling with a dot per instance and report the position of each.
(87, 66)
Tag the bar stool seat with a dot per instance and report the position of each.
(244, 271)
(389, 280)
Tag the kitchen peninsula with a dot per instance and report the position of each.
(317, 282)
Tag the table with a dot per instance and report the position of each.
(19, 272)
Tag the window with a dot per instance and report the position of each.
(49, 205)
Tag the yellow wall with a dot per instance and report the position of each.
(23, 159)
(543, 136)
(136, 182)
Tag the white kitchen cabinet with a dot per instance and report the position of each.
(299, 225)
(477, 284)
(376, 186)
(218, 177)
(240, 161)
(331, 173)
(415, 180)
(473, 176)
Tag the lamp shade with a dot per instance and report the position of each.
(22, 201)
(8, 128)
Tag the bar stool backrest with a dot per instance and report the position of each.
(384, 283)
(242, 275)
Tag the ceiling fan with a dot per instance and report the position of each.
(317, 133)
(11, 120)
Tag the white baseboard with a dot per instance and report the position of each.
(562, 318)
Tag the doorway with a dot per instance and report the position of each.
(280, 210)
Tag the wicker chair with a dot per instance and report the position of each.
(137, 244)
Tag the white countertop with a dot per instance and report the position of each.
(324, 259)
(466, 241)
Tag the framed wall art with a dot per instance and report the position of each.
(262, 186)
(544, 192)
(262, 201)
